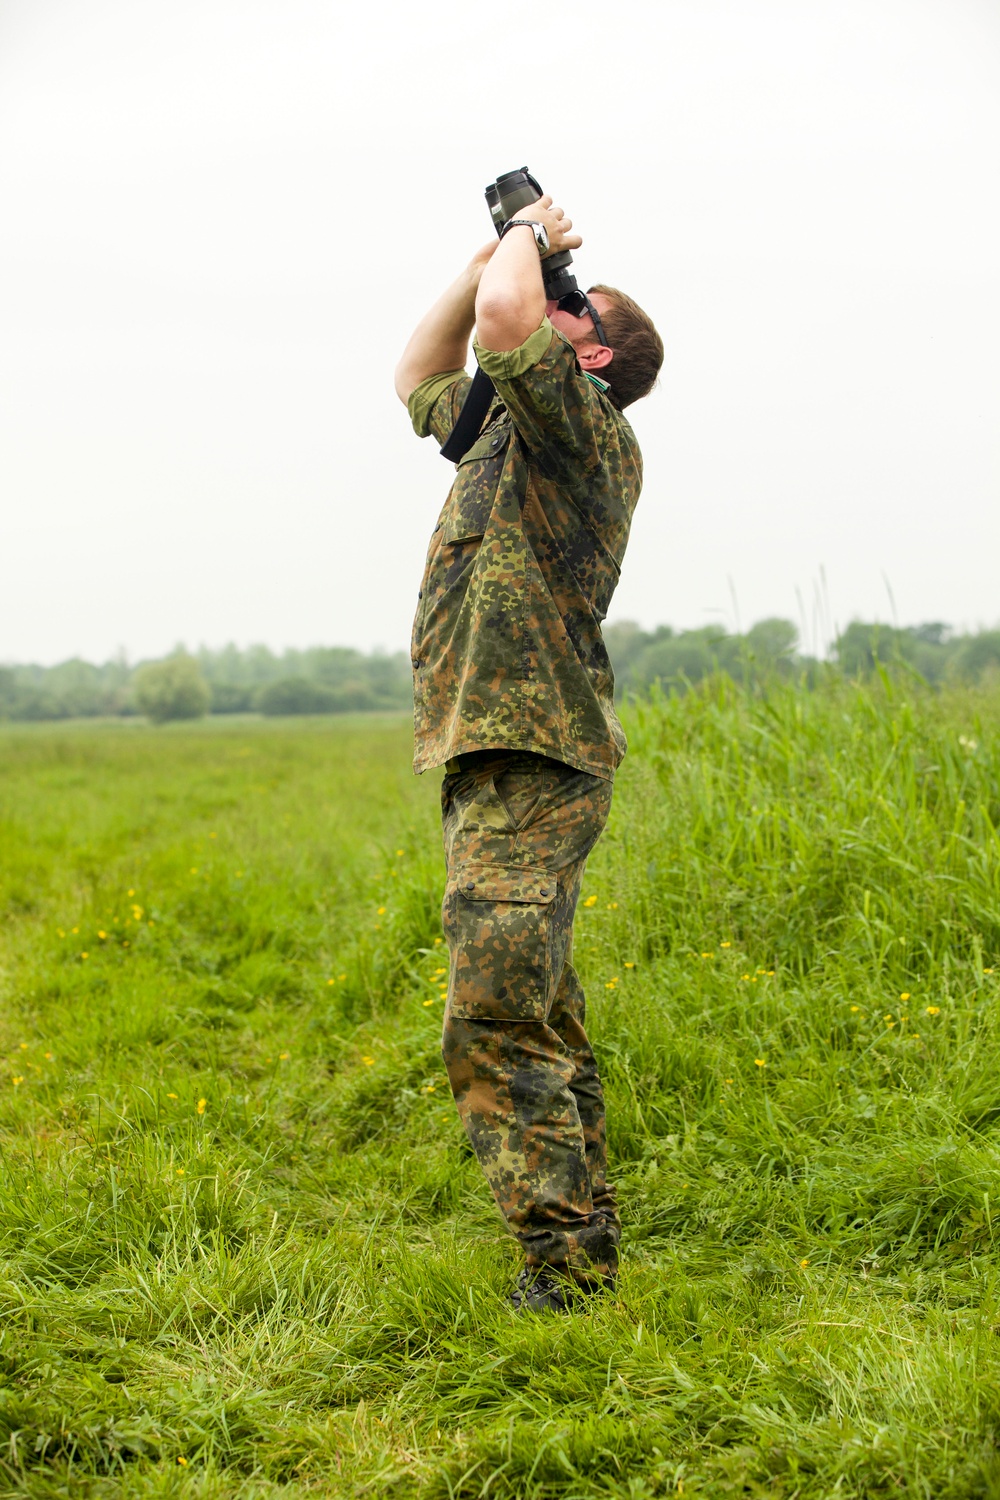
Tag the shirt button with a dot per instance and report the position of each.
(420, 593)
(498, 441)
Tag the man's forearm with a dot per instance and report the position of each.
(511, 298)
(440, 340)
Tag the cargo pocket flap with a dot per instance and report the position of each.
(506, 883)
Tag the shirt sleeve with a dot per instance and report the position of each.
(435, 404)
(560, 414)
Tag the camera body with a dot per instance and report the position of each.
(505, 198)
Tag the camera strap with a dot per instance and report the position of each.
(470, 420)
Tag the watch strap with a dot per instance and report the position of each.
(532, 224)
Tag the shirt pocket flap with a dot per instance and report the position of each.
(493, 441)
(506, 883)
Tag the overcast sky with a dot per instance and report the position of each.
(221, 218)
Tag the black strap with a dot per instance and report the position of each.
(470, 419)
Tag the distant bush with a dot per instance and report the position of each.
(978, 656)
(231, 698)
(297, 695)
(171, 689)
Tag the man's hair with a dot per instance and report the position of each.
(637, 345)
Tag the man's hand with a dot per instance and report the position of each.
(557, 225)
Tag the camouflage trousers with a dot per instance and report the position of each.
(517, 832)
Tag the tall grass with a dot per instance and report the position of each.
(244, 1250)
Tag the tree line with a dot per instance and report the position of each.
(336, 679)
(679, 658)
(319, 680)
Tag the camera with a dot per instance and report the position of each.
(505, 198)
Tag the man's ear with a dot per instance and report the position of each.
(594, 356)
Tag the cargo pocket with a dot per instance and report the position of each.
(496, 920)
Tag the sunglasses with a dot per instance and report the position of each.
(579, 304)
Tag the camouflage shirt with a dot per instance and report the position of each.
(523, 562)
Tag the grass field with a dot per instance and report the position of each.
(244, 1250)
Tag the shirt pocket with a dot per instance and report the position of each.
(497, 921)
(477, 478)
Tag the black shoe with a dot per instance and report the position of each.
(540, 1289)
(544, 1289)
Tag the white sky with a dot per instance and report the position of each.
(221, 218)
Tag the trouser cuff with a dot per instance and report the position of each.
(592, 1249)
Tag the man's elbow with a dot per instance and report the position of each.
(504, 321)
(404, 382)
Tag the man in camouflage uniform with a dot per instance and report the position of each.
(514, 696)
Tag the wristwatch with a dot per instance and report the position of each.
(538, 230)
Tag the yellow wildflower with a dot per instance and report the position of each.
(399, 853)
(201, 1106)
(368, 1061)
(905, 995)
(341, 976)
(194, 869)
(17, 1079)
(284, 1056)
(84, 955)
(380, 912)
(590, 901)
(855, 1008)
(804, 1262)
(760, 1062)
(933, 1010)
(171, 1096)
(49, 1056)
(725, 945)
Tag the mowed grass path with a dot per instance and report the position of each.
(244, 1250)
